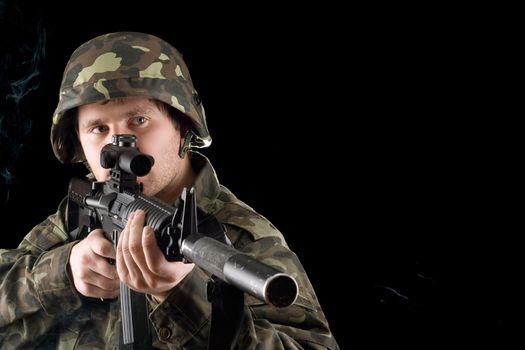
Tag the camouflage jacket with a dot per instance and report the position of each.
(40, 308)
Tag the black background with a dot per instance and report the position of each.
(350, 130)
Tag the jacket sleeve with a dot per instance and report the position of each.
(33, 277)
(183, 319)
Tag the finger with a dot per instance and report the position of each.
(102, 282)
(166, 271)
(122, 269)
(133, 273)
(103, 267)
(84, 275)
(104, 248)
(91, 290)
(153, 256)
(135, 239)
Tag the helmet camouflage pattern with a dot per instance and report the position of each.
(120, 65)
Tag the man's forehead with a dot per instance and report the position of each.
(115, 109)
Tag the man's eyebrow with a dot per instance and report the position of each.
(137, 111)
(128, 114)
(92, 122)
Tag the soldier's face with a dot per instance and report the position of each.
(156, 135)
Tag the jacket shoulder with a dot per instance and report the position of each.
(51, 231)
(230, 210)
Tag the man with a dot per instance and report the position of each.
(54, 291)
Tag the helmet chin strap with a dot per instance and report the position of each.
(185, 146)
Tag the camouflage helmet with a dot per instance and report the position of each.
(123, 64)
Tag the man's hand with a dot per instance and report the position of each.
(141, 264)
(92, 273)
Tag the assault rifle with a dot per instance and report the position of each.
(183, 232)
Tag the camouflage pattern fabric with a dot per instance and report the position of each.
(120, 65)
(40, 309)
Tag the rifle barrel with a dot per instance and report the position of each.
(246, 273)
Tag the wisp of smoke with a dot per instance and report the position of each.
(22, 49)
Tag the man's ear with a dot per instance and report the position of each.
(185, 143)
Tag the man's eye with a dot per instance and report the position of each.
(139, 120)
(99, 129)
